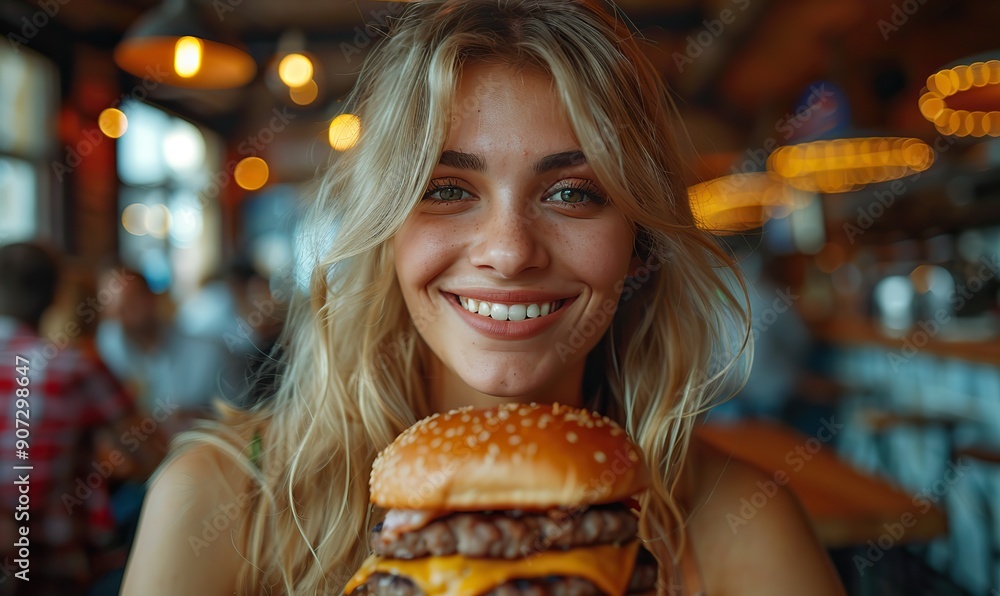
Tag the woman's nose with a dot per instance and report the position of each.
(511, 239)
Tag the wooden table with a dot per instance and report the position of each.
(848, 507)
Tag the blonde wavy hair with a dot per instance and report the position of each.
(351, 374)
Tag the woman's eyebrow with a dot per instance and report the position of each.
(471, 161)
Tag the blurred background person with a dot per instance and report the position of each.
(238, 309)
(166, 367)
(71, 400)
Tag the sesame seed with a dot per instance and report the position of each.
(633, 456)
(571, 437)
(510, 428)
(484, 436)
(600, 457)
(514, 439)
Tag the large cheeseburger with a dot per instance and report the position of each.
(514, 500)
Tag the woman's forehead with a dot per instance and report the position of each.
(499, 108)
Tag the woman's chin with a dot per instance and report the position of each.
(519, 388)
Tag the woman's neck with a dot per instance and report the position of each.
(447, 391)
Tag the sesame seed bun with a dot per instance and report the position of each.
(515, 456)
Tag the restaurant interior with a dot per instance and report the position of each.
(846, 151)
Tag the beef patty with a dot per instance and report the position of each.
(510, 534)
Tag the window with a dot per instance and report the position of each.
(27, 111)
(170, 225)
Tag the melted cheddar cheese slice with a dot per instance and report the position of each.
(607, 567)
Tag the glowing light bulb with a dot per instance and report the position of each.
(187, 56)
(295, 70)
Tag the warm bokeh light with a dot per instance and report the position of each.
(844, 165)
(158, 220)
(112, 123)
(187, 56)
(967, 80)
(345, 130)
(251, 173)
(739, 202)
(304, 95)
(295, 70)
(134, 219)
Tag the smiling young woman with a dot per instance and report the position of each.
(510, 227)
(514, 220)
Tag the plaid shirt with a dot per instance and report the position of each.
(69, 396)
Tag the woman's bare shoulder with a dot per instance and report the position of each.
(751, 535)
(183, 544)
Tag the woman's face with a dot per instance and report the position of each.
(515, 220)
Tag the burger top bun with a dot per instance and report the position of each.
(515, 456)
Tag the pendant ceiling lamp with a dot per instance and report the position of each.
(963, 98)
(185, 49)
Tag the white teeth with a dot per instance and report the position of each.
(508, 312)
(499, 312)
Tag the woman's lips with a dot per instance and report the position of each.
(507, 329)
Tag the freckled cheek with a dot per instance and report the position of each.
(601, 257)
(422, 253)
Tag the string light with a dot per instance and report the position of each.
(739, 202)
(844, 165)
(972, 79)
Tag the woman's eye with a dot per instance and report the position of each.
(446, 194)
(571, 195)
(577, 197)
